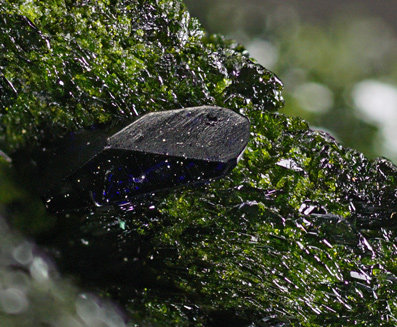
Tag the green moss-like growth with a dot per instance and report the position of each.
(302, 232)
(67, 65)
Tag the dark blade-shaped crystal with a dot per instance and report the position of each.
(159, 151)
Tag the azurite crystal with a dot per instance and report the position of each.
(158, 151)
(286, 239)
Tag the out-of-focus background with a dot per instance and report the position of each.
(337, 59)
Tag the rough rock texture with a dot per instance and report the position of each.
(67, 65)
(301, 233)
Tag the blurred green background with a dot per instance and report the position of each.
(337, 59)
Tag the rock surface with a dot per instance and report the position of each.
(302, 232)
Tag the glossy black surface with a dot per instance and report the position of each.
(159, 151)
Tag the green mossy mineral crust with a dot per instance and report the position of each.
(67, 65)
(302, 233)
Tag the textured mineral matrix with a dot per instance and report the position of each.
(302, 232)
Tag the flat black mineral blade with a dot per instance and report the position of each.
(160, 150)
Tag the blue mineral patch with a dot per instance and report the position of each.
(159, 151)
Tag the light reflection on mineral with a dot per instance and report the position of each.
(69, 321)
(85, 242)
(18, 280)
(5, 157)
(13, 301)
(264, 52)
(23, 253)
(86, 308)
(121, 223)
(314, 97)
(289, 164)
(377, 102)
(39, 270)
(127, 207)
(307, 209)
(360, 276)
(95, 313)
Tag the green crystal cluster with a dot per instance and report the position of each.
(301, 233)
(67, 65)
